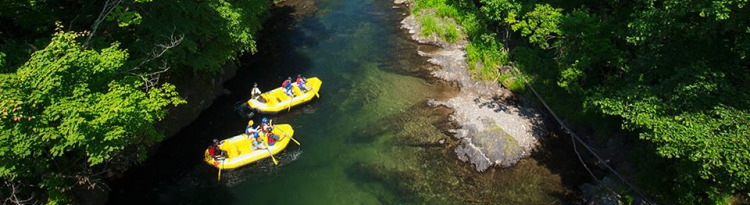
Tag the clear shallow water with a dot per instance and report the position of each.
(369, 139)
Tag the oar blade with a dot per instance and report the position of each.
(221, 166)
(275, 162)
(295, 141)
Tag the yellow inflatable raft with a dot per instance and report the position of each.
(240, 153)
(276, 100)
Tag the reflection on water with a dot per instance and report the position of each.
(369, 139)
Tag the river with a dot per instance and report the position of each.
(370, 139)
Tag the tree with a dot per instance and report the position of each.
(77, 104)
(70, 107)
(674, 71)
(539, 25)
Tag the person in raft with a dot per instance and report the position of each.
(266, 125)
(258, 142)
(287, 86)
(249, 130)
(271, 138)
(215, 151)
(255, 93)
(301, 83)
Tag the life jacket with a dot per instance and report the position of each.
(271, 140)
(212, 150)
(300, 81)
(286, 84)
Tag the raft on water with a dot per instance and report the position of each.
(276, 100)
(239, 152)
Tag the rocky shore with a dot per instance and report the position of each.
(493, 129)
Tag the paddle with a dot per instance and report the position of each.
(316, 92)
(222, 167)
(275, 162)
(290, 137)
(268, 148)
(312, 89)
(292, 101)
(290, 104)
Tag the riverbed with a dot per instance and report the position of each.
(372, 137)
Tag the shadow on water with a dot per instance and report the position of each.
(555, 151)
(173, 174)
(277, 56)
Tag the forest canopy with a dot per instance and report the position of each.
(673, 72)
(80, 83)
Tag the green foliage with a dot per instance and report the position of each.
(69, 107)
(499, 10)
(428, 4)
(442, 27)
(486, 50)
(429, 25)
(711, 134)
(485, 54)
(661, 68)
(213, 31)
(588, 47)
(450, 32)
(538, 25)
(124, 18)
(672, 71)
(513, 82)
(440, 7)
(438, 17)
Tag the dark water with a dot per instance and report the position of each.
(369, 139)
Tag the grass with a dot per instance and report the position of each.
(514, 82)
(437, 17)
(429, 25)
(450, 32)
(490, 54)
(443, 17)
(442, 27)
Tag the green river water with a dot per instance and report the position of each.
(370, 138)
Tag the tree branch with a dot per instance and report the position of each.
(12, 197)
(109, 6)
(160, 49)
(151, 79)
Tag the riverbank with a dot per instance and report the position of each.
(500, 136)
(497, 128)
(494, 128)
